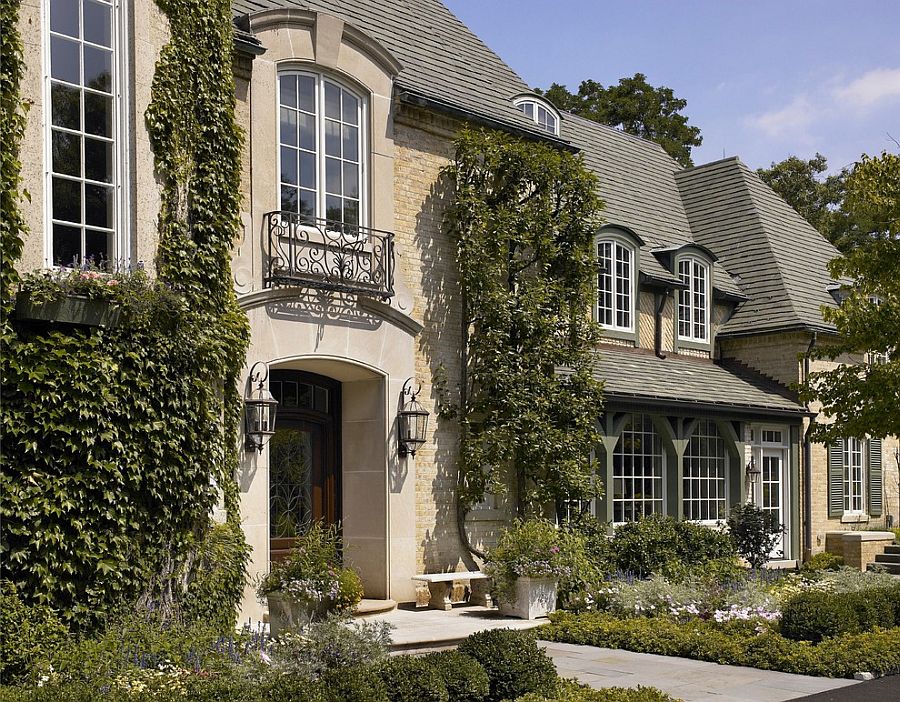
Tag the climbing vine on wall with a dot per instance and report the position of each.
(117, 442)
(524, 216)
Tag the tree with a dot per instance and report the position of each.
(636, 107)
(863, 399)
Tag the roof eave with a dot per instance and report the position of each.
(730, 409)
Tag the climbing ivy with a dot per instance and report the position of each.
(523, 216)
(117, 442)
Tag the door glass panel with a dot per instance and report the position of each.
(290, 482)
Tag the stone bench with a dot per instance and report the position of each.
(440, 584)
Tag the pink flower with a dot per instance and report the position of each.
(111, 282)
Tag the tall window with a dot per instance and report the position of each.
(637, 471)
(540, 115)
(693, 302)
(854, 476)
(704, 474)
(86, 154)
(615, 282)
(321, 149)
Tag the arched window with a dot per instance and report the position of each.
(693, 300)
(705, 464)
(637, 472)
(615, 285)
(321, 154)
(541, 113)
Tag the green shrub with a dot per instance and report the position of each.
(814, 615)
(410, 679)
(514, 664)
(531, 548)
(350, 590)
(353, 684)
(572, 691)
(823, 561)
(755, 532)
(28, 636)
(465, 678)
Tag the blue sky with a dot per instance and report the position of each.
(764, 79)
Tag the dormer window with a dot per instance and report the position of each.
(693, 300)
(540, 113)
(615, 285)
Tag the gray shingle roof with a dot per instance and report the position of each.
(780, 258)
(636, 375)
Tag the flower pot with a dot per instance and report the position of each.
(287, 613)
(71, 309)
(534, 598)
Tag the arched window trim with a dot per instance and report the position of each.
(687, 307)
(619, 240)
(363, 152)
(536, 102)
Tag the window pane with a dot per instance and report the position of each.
(97, 246)
(97, 69)
(64, 17)
(332, 138)
(351, 212)
(351, 143)
(333, 208)
(98, 160)
(98, 114)
(67, 200)
(351, 180)
(288, 129)
(66, 103)
(97, 23)
(98, 201)
(333, 176)
(351, 108)
(66, 153)
(332, 101)
(288, 166)
(307, 170)
(308, 204)
(307, 132)
(287, 86)
(65, 63)
(66, 245)
(528, 109)
(288, 199)
(307, 92)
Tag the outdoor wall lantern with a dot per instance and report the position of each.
(753, 471)
(259, 409)
(412, 420)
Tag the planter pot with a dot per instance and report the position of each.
(72, 309)
(535, 598)
(286, 613)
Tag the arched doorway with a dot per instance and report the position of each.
(304, 456)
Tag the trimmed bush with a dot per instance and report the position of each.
(571, 691)
(409, 679)
(514, 664)
(356, 684)
(823, 561)
(813, 616)
(755, 532)
(465, 678)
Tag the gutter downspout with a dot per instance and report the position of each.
(660, 300)
(807, 462)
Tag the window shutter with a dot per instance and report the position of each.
(836, 478)
(876, 481)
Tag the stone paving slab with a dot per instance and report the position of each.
(689, 680)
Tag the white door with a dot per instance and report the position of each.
(772, 486)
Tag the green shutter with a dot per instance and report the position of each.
(836, 478)
(876, 480)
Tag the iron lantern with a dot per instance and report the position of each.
(412, 421)
(259, 409)
(753, 471)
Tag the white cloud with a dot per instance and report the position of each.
(794, 117)
(871, 87)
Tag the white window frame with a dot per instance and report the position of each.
(364, 154)
(536, 106)
(616, 284)
(855, 448)
(657, 500)
(692, 309)
(720, 481)
(761, 441)
(121, 45)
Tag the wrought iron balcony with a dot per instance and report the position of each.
(328, 255)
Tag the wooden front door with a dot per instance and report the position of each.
(304, 457)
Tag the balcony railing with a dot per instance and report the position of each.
(328, 255)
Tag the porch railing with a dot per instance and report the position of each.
(328, 255)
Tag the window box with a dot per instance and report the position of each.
(71, 309)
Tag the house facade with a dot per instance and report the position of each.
(709, 286)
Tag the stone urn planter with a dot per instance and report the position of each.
(287, 614)
(71, 309)
(534, 598)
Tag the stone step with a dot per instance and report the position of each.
(887, 558)
(893, 549)
(367, 607)
(892, 568)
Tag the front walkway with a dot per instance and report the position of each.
(683, 678)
